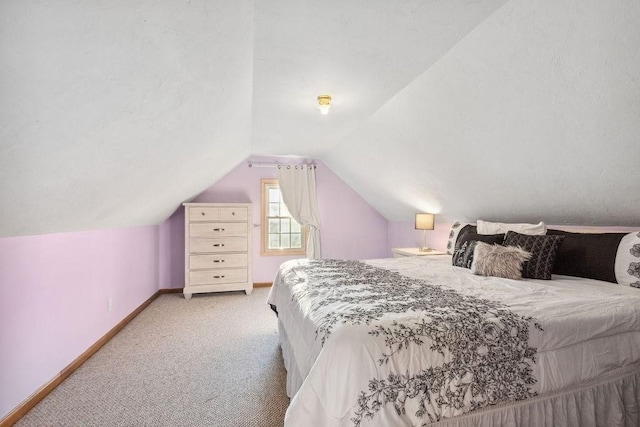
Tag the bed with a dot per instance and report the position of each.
(418, 341)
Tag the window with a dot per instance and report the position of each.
(281, 234)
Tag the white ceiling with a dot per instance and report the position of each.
(361, 52)
(112, 114)
(534, 115)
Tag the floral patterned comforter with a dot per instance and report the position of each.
(404, 341)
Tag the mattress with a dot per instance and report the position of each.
(411, 341)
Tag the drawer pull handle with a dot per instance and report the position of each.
(233, 213)
(217, 245)
(218, 277)
(202, 213)
(218, 229)
(218, 260)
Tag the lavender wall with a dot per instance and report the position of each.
(171, 251)
(54, 292)
(350, 228)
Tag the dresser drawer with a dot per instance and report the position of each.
(204, 213)
(212, 277)
(233, 214)
(208, 213)
(218, 261)
(218, 229)
(223, 244)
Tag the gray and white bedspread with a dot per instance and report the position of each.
(410, 341)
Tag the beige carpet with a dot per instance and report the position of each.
(211, 361)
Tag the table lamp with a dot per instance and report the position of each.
(424, 221)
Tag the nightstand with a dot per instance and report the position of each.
(405, 252)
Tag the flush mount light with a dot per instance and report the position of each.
(324, 102)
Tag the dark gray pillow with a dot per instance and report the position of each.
(590, 255)
(543, 251)
(463, 255)
(464, 230)
(465, 244)
(492, 239)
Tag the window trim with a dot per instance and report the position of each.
(264, 225)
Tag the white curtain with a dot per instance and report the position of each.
(298, 188)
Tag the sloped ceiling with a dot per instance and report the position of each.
(361, 52)
(534, 115)
(113, 113)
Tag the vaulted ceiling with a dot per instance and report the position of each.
(113, 113)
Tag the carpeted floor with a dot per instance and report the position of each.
(213, 360)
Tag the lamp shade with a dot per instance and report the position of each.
(424, 221)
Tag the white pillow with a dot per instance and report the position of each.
(627, 265)
(486, 227)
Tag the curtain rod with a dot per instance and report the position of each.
(277, 165)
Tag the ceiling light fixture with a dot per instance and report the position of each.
(324, 102)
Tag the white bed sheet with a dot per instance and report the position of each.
(589, 328)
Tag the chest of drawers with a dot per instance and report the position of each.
(217, 248)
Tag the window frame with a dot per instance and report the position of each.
(265, 183)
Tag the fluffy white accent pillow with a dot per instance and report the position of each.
(486, 227)
(627, 265)
(498, 261)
